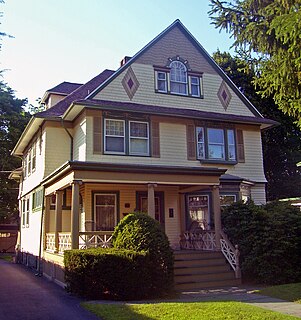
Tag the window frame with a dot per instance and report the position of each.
(178, 82)
(225, 145)
(162, 80)
(127, 138)
(105, 136)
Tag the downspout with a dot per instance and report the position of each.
(71, 139)
(39, 273)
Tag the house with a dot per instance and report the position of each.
(8, 237)
(168, 133)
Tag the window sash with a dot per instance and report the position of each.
(161, 82)
(105, 213)
(33, 157)
(231, 144)
(216, 149)
(195, 86)
(178, 78)
(111, 136)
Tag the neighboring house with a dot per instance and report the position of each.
(168, 133)
(8, 237)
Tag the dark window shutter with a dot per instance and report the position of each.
(96, 134)
(240, 146)
(191, 143)
(155, 139)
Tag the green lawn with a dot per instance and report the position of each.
(8, 258)
(289, 292)
(181, 311)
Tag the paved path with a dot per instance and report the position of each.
(27, 297)
(245, 295)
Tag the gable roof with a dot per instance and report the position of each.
(80, 93)
(65, 87)
(177, 23)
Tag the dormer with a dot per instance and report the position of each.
(59, 92)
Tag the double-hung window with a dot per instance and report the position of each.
(162, 81)
(195, 86)
(216, 144)
(126, 137)
(114, 136)
(178, 78)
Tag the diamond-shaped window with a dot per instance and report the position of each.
(130, 83)
(224, 95)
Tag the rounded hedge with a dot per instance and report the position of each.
(139, 232)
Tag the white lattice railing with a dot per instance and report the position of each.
(231, 253)
(94, 239)
(50, 242)
(201, 240)
(64, 241)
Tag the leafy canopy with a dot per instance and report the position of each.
(267, 34)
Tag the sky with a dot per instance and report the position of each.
(74, 40)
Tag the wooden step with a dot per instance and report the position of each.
(199, 262)
(207, 284)
(226, 275)
(195, 255)
(202, 269)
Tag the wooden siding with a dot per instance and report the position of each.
(57, 148)
(79, 141)
(258, 194)
(146, 93)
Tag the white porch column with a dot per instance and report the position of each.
(217, 215)
(58, 217)
(151, 199)
(75, 214)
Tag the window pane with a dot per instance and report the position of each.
(226, 200)
(114, 144)
(138, 146)
(162, 85)
(115, 127)
(195, 80)
(216, 136)
(161, 75)
(138, 129)
(216, 152)
(230, 134)
(201, 151)
(231, 153)
(178, 87)
(200, 133)
(105, 199)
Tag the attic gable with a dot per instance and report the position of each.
(175, 42)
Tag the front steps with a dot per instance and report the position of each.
(202, 269)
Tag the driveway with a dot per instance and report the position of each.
(25, 296)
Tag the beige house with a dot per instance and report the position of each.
(168, 133)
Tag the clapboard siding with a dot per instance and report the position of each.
(146, 93)
(258, 194)
(79, 141)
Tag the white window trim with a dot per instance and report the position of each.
(114, 136)
(141, 138)
(163, 80)
(198, 85)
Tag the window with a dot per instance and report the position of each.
(198, 212)
(29, 161)
(33, 156)
(227, 200)
(37, 199)
(115, 136)
(126, 137)
(195, 86)
(216, 144)
(105, 211)
(177, 78)
(162, 81)
(25, 212)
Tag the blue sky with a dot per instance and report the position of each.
(73, 40)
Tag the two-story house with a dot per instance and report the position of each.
(168, 133)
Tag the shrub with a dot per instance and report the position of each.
(107, 273)
(269, 239)
(139, 232)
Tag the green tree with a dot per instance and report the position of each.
(281, 144)
(13, 119)
(267, 34)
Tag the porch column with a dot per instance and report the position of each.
(151, 199)
(58, 217)
(217, 215)
(75, 214)
(46, 219)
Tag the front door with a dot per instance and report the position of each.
(198, 212)
(105, 211)
(159, 205)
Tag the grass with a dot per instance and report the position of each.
(6, 257)
(289, 292)
(183, 311)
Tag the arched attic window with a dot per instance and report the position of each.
(178, 78)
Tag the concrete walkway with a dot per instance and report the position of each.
(27, 297)
(245, 295)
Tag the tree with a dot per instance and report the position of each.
(13, 119)
(281, 144)
(266, 33)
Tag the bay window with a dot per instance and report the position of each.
(216, 144)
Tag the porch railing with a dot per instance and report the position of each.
(88, 239)
(206, 240)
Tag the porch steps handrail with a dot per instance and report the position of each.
(231, 253)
